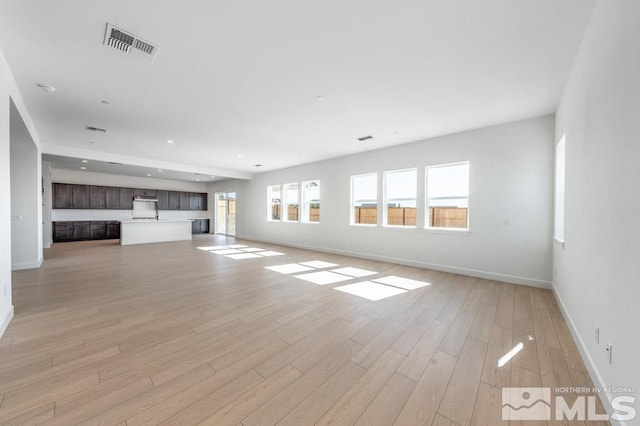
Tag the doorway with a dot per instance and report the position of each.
(226, 213)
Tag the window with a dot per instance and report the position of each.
(400, 188)
(448, 196)
(364, 199)
(291, 201)
(311, 201)
(273, 202)
(558, 220)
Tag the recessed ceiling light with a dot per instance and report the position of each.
(197, 180)
(148, 174)
(169, 141)
(46, 88)
(321, 98)
(160, 170)
(83, 168)
(85, 161)
(212, 177)
(239, 156)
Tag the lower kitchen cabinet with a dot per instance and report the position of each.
(200, 226)
(85, 230)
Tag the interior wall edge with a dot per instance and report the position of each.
(6, 319)
(28, 265)
(594, 373)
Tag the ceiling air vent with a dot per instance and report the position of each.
(365, 138)
(127, 43)
(95, 129)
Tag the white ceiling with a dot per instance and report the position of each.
(242, 77)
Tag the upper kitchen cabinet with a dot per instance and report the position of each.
(97, 197)
(197, 201)
(163, 200)
(62, 196)
(112, 197)
(174, 200)
(126, 199)
(80, 196)
(145, 192)
(185, 200)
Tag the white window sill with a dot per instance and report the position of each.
(448, 231)
(364, 225)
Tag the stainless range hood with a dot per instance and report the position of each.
(148, 198)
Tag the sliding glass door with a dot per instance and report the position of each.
(226, 213)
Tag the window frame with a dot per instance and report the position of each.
(352, 208)
(386, 200)
(285, 204)
(305, 202)
(427, 199)
(270, 203)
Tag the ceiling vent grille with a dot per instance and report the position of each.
(365, 138)
(128, 43)
(95, 129)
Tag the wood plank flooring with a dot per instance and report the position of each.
(170, 334)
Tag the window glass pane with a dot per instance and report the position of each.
(448, 181)
(448, 196)
(291, 197)
(273, 201)
(364, 199)
(311, 201)
(400, 197)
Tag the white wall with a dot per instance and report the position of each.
(6, 308)
(9, 92)
(26, 211)
(90, 178)
(510, 213)
(597, 273)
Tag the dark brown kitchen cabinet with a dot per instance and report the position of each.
(62, 231)
(112, 197)
(197, 201)
(145, 192)
(112, 230)
(126, 199)
(62, 198)
(163, 200)
(85, 230)
(174, 200)
(80, 196)
(185, 201)
(96, 197)
(98, 230)
(81, 231)
(200, 226)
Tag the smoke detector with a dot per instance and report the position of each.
(129, 44)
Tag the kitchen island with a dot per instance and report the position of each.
(143, 231)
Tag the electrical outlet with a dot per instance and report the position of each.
(597, 334)
(609, 350)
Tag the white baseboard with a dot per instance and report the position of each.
(586, 357)
(5, 319)
(495, 276)
(27, 265)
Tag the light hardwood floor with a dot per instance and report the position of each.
(169, 334)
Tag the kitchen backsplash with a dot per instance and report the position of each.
(61, 215)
